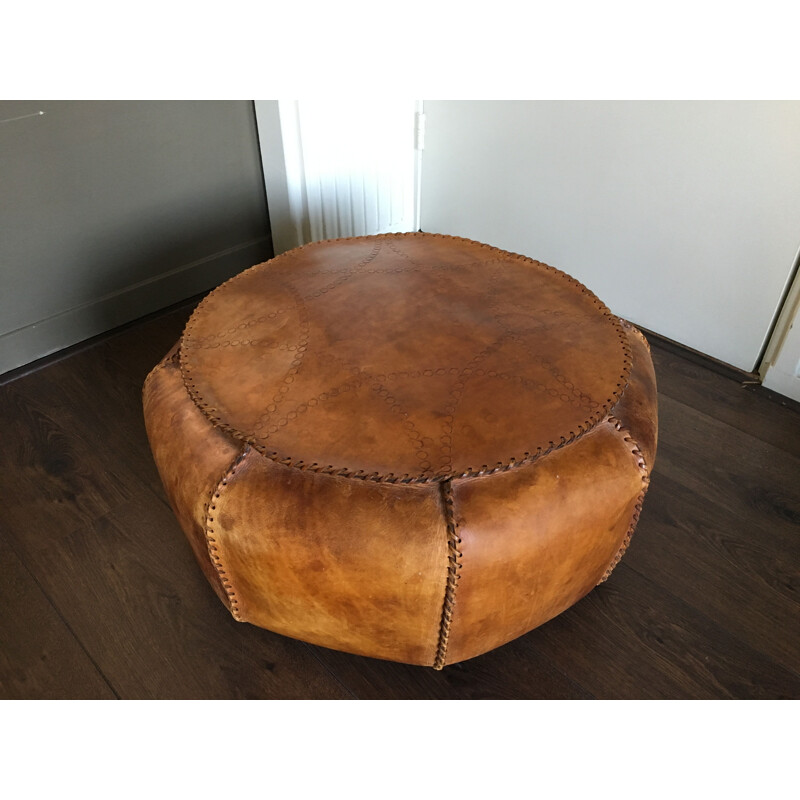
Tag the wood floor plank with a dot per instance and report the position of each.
(95, 396)
(133, 355)
(733, 573)
(40, 658)
(730, 468)
(631, 639)
(130, 589)
(53, 479)
(726, 400)
(98, 409)
(513, 672)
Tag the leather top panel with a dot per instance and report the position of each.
(403, 355)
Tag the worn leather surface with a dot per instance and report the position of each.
(536, 539)
(348, 564)
(411, 447)
(190, 454)
(403, 354)
(636, 408)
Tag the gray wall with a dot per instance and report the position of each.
(112, 210)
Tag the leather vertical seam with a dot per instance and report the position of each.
(211, 542)
(170, 358)
(627, 437)
(453, 567)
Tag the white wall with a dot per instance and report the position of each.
(683, 217)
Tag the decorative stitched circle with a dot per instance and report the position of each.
(409, 357)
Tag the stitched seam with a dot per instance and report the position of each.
(631, 328)
(453, 567)
(211, 542)
(168, 359)
(637, 510)
(406, 478)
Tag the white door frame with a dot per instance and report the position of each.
(282, 216)
(780, 367)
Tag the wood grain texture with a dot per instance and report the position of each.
(632, 639)
(740, 577)
(51, 664)
(742, 406)
(102, 597)
(512, 672)
(730, 468)
(131, 590)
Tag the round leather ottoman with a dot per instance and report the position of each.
(411, 446)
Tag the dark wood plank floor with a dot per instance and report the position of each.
(101, 597)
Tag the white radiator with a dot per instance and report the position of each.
(350, 170)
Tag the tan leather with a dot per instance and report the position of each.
(536, 539)
(411, 446)
(637, 406)
(404, 355)
(348, 564)
(190, 454)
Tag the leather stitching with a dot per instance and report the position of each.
(631, 328)
(444, 474)
(166, 361)
(640, 460)
(453, 567)
(213, 549)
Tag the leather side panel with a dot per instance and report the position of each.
(352, 565)
(637, 409)
(190, 454)
(536, 539)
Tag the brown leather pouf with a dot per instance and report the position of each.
(410, 446)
